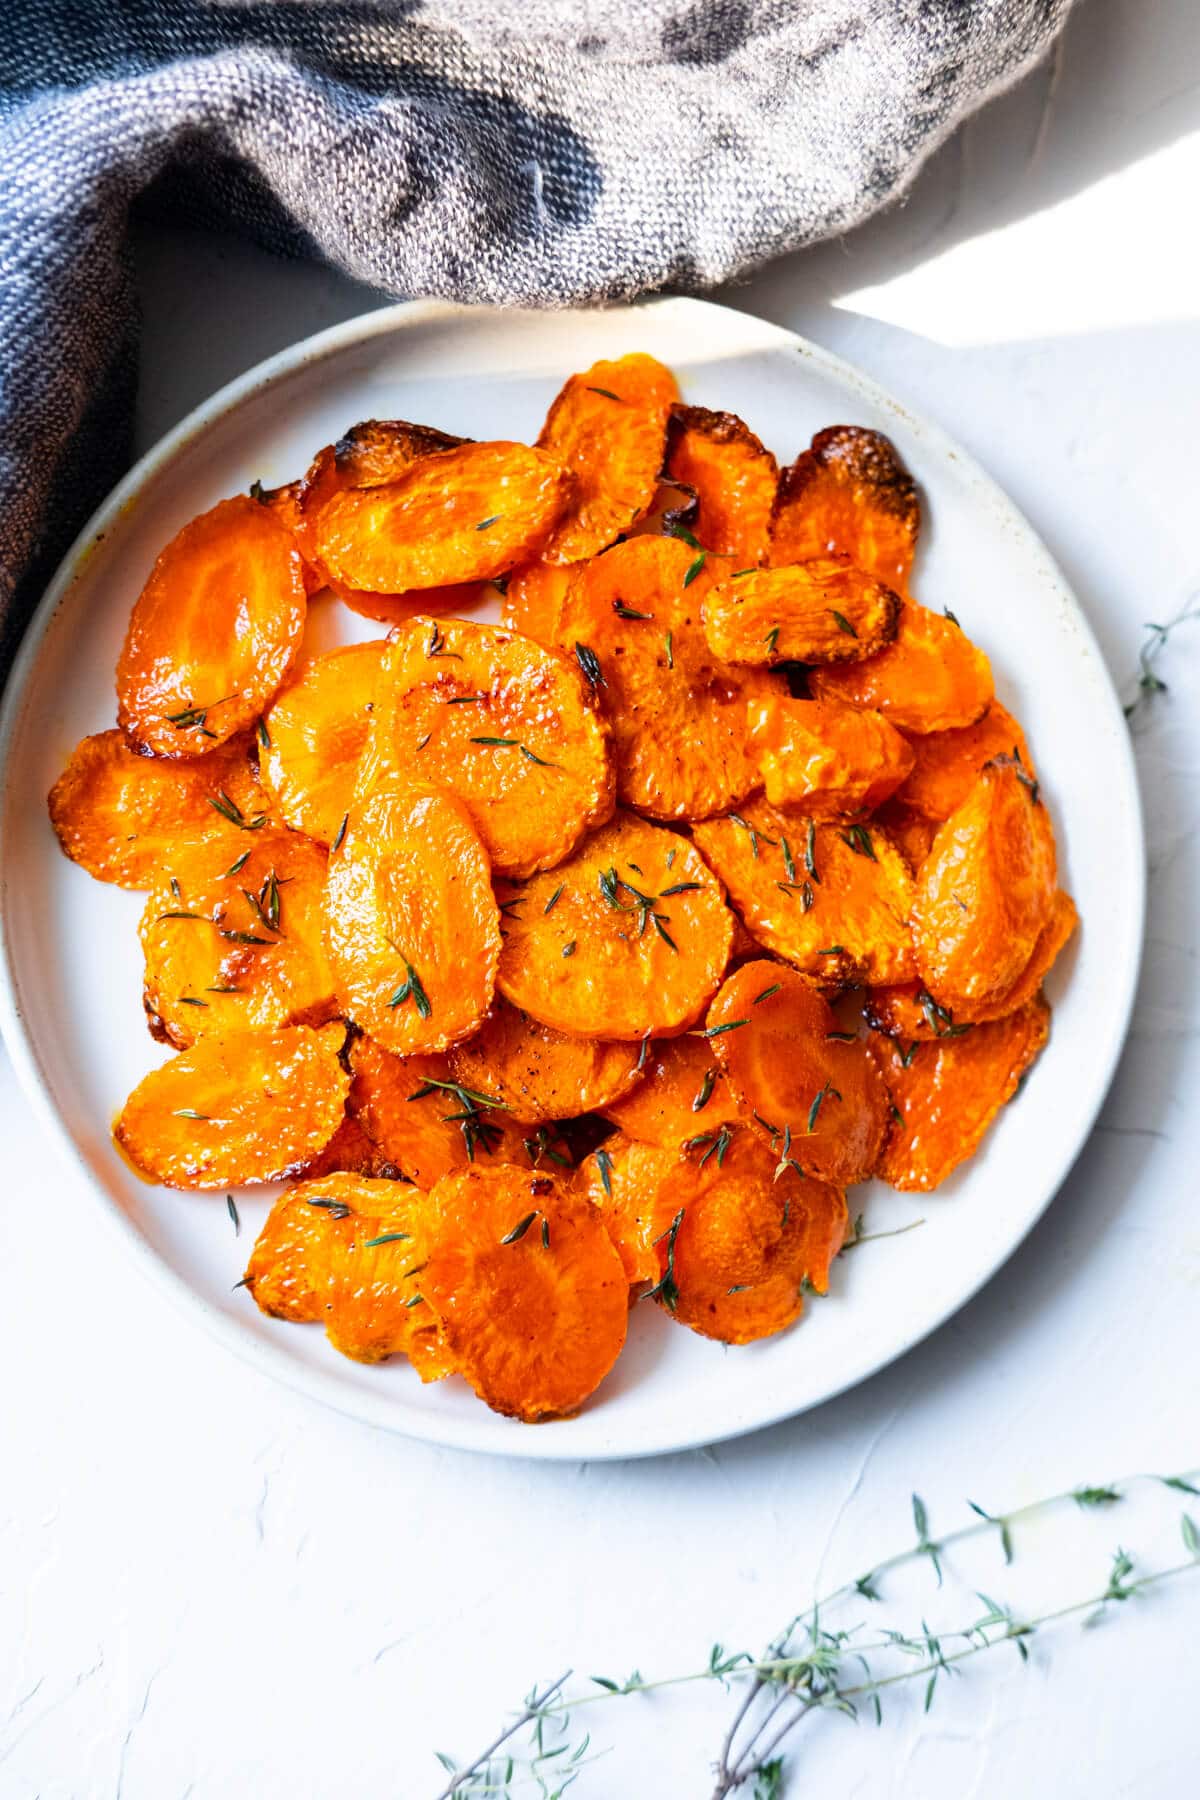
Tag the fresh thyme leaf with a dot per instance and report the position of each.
(264, 736)
(953, 617)
(766, 993)
(629, 612)
(539, 760)
(680, 531)
(788, 863)
(231, 1208)
(589, 662)
(604, 1164)
(670, 649)
(701, 1100)
(236, 866)
(191, 1000)
(188, 1112)
(662, 931)
(337, 1209)
(859, 840)
(242, 937)
(498, 742)
(1179, 1484)
(341, 832)
(545, 1232)
(897, 1115)
(693, 569)
(484, 523)
(183, 915)
(569, 949)
(1095, 1496)
(825, 1093)
(223, 990)
(665, 1289)
(755, 834)
(771, 640)
(843, 623)
(810, 852)
(414, 991)
(387, 1237)
(519, 1229)
(437, 642)
(421, 742)
(466, 699)
(229, 809)
(713, 1031)
(841, 1037)
(606, 392)
(680, 887)
(643, 1053)
(907, 1056)
(554, 899)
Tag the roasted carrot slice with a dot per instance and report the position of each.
(833, 900)
(120, 815)
(635, 943)
(246, 1107)
(532, 597)
(930, 678)
(412, 927)
(213, 632)
(732, 475)
(528, 1288)
(283, 503)
(607, 426)
(677, 713)
(508, 726)
(910, 1012)
(541, 1074)
(824, 611)
(832, 762)
(316, 730)
(424, 1123)
(947, 763)
(683, 1092)
(944, 1095)
(233, 938)
(909, 831)
(817, 1096)
(986, 890)
(345, 1251)
(849, 494)
(622, 1180)
(745, 1235)
(466, 514)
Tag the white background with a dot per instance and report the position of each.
(210, 1587)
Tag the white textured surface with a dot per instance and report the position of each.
(208, 1586)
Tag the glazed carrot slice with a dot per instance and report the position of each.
(288, 1271)
(233, 938)
(849, 494)
(424, 1123)
(945, 1095)
(213, 632)
(677, 713)
(120, 815)
(818, 1097)
(824, 611)
(232, 1110)
(911, 1012)
(466, 514)
(986, 890)
(832, 762)
(316, 730)
(833, 900)
(622, 1180)
(947, 763)
(930, 678)
(412, 927)
(533, 595)
(909, 831)
(528, 1289)
(732, 475)
(746, 1233)
(607, 427)
(508, 726)
(683, 1091)
(635, 944)
(541, 1074)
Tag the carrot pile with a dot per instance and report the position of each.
(587, 956)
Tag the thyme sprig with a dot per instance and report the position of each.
(1149, 682)
(813, 1667)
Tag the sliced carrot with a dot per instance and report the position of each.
(824, 611)
(817, 1097)
(683, 1091)
(541, 1074)
(931, 678)
(233, 938)
(912, 834)
(732, 475)
(635, 943)
(677, 713)
(413, 930)
(911, 1012)
(832, 762)
(508, 726)
(607, 427)
(247, 1107)
(944, 1095)
(316, 730)
(622, 1180)
(986, 890)
(947, 763)
(849, 494)
(120, 815)
(424, 1124)
(466, 514)
(745, 1236)
(528, 1289)
(213, 632)
(833, 900)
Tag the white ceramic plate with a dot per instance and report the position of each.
(70, 973)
